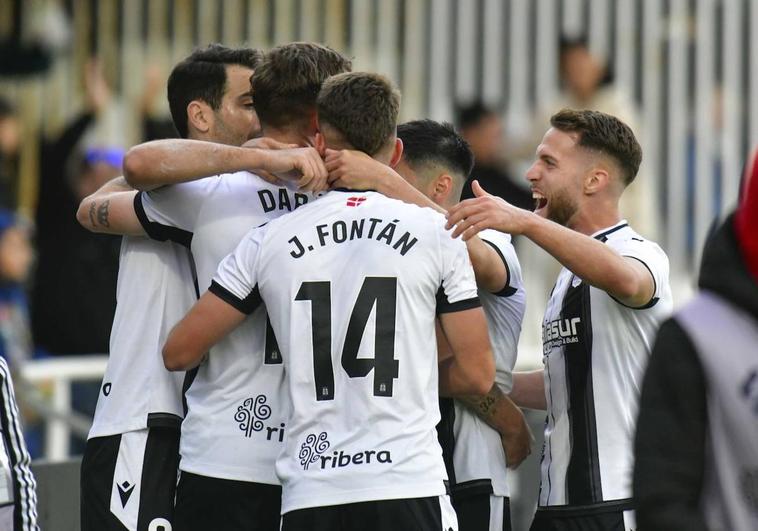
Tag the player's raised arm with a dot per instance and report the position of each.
(626, 279)
(110, 210)
(171, 161)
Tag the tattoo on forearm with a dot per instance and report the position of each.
(486, 404)
(102, 213)
(92, 214)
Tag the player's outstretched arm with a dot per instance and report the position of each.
(497, 410)
(110, 210)
(207, 322)
(470, 370)
(171, 161)
(626, 279)
(529, 389)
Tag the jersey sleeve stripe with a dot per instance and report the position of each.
(246, 305)
(653, 300)
(507, 290)
(445, 306)
(158, 231)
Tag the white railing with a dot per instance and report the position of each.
(61, 372)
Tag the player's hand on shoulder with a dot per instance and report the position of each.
(303, 166)
(485, 211)
(354, 170)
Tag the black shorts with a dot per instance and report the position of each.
(607, 516)
(205, 504)
(434, 513)
(483, 512)
(128, 481)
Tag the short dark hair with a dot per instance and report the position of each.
(362, 107)
(288, 80)
(604, 133)
(202, 76)
(427, 141)
(469, 114)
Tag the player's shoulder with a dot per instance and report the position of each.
(625, 239)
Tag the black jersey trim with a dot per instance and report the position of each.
(626, 504)
(583, 485)
(653, 301)
(163, 420)
(445, 306)
(246, 305)
(507, 290)
(446, 438)
(603, 236)
(474, 487)
(12, 442)
(189, 378)
(353, 191)
(158, 231)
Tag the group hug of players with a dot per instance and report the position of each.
(294, 314)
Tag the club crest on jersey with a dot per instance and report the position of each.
(355, 201)
(312, 450)
(250, 416)
(559, 332)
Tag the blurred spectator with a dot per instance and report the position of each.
(10, 133)
(154, 126)
(16, 257)
(482, 128)
(696, 448)
(74, 287)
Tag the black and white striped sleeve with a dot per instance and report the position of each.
(236, 279)
(458, 290)
(170, 213)
(15, 461)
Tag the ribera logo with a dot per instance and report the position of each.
(250, 416)
(312, 450)
(560, 332)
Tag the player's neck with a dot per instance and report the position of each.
(289, 136)
(592, 219)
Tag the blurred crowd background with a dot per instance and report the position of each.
(83, 80)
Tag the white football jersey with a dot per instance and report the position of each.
(352, 285)
(237, 403)
(155, 289)
(478, 455)
(596, 350)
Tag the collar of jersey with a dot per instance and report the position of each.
(603, 233)
(352, 191)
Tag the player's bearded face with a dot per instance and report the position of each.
(235, 121)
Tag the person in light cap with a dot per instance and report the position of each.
(696, 447)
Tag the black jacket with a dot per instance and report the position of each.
(672, 425)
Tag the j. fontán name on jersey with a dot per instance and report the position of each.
(386, 232)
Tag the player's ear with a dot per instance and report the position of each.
(442, 186)
(199, 116)
(397, 153)
(320, 143)
(596, 180)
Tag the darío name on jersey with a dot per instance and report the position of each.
(312, 450)
(270, 202)
(364, 228)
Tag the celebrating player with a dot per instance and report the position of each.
(600, 320)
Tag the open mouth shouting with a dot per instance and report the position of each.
(540, 201)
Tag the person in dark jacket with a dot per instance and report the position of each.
(696, 448)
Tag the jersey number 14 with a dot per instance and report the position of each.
(381, 291)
